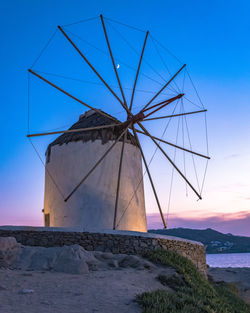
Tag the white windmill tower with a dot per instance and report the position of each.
(91, 204)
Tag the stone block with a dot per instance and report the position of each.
(9, 251)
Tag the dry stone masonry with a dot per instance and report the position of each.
(108, 241)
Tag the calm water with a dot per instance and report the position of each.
(229, 260)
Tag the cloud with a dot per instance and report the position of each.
(232, 156)
(231, 187)
(236, 223)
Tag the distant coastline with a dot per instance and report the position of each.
(214, 241)
(229, 260)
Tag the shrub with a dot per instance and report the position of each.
(196, 295)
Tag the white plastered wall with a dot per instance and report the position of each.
(92, 205)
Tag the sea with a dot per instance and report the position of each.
(229, 260)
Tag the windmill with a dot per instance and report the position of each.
(98, 195)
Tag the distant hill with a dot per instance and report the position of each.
(214, 241)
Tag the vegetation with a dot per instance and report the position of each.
(214, 241)
(196, 295)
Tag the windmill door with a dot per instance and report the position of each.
(46, 220)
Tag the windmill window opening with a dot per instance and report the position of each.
(47, 220)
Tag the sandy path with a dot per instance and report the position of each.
(238, 276)
(107, 291)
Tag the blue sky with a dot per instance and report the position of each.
(212, 37)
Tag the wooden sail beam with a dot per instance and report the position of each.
(119, 181)
(157, 104)
(173, 145)
(95, 166)
(69, 95)
(173, 164)
(91, 66)
(157, 94)
(72, 130)
(137, 72)
(150, 178)
(174, 115)
(112, 59)
(166, 103)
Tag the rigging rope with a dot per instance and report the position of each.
(195, 89)
(205, 173)
(36, 151)
(164, 63)
(168, 51)
(134, 50)
(44, 48)
(119, 60)
(204, 177)
(81, 21)
(132, 27)
(28, 103)
(198, 106)
(172, 175)
(99, 84)
(206, 133)
(177, 135)
(153, 155)
(148, 77)
(197, 180)
(46, 169)
(183, 144)
(206, 129)
(183, 138)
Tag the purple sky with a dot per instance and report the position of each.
(237, 223)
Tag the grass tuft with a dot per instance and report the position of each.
(195, 295)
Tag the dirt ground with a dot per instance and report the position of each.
(238, 276)
(70, 279)
(107, 291)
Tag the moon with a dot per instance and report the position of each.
(118, 66)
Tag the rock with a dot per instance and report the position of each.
(72, 259)
(94, 265)
(171, 279)
(9, 251)
(46, 302)
(107, 255)
(103, 256)
(113, 263)
(26, 291)
(98, 254)
(71, 266)
(68, 259)
(27, 274)
(148, 265)
(37, 258)
(130, 261)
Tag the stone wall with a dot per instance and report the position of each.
(111, 241)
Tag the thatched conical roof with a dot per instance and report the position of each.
(92, 119)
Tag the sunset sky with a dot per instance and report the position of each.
(211, 37)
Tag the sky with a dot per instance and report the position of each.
(211, 37)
